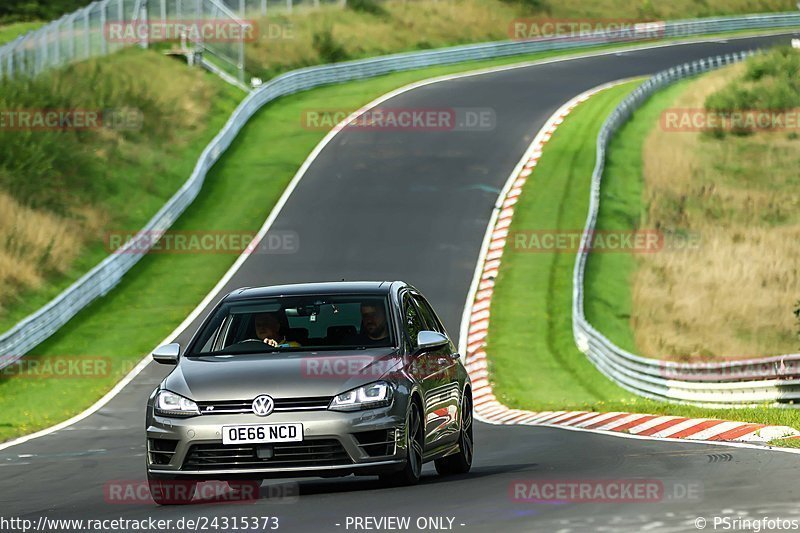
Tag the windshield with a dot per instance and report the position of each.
(297, 323)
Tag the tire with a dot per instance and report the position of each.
(171, 491)
(415, 446)
(460, 462)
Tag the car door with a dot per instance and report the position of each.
(422, 367)
(448, 392)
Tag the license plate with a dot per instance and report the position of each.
(262, 433)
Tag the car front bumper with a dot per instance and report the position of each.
(334, 444)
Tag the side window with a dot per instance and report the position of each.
(412, 321)
(431, 323)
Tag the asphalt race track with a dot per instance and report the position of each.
(414, 205)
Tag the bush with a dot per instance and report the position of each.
(58, 169)
(532, 6)
(20, 10)
(771, 82)
(328, 48)
(367, 6)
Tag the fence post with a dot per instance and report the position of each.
(24, 63)
(163, 11)
(103, 24)
(71, 36)
(198, 15)
(57, 41)
(12, 50)
(241, 8)
(86, 36)
(264, 8)
(143, 16)
(241, 60)
(43, 46)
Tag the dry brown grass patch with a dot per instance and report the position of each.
(731, 297)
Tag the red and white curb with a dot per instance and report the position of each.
(475, 324)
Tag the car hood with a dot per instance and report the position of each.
(282, 375)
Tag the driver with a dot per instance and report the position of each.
(374, 329)
(269, 330)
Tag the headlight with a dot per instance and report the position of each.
(171, 404)
(376, 394)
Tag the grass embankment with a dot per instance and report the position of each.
(62, 191)
(9, 32)
(726, 284)
(368, 28)
(534, 363)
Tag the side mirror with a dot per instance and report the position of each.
(428, 341)
(167, 354)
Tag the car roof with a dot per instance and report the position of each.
(305, 289)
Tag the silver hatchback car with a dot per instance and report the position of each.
(320, 379)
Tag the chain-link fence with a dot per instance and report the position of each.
(106, 26)
(263, 8)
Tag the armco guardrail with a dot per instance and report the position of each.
(746, 382)
(35, 328)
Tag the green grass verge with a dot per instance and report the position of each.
(162, 289)
(533, 361)
(608, 297)
(9, 32)
(785, 443)
(127, 176)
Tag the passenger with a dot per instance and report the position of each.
(270, 330)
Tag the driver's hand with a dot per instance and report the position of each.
(271, 342)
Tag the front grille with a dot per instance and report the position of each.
(308, 454)
(161, 450)
(314, 403)
(378, 442)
